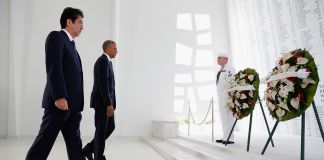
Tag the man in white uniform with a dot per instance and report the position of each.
(225, 73)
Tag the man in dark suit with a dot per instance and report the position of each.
(63, 95)
(103, 100)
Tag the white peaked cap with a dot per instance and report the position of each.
(222, 55)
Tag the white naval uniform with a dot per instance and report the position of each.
(227, 118)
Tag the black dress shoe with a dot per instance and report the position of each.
(228, 142)
(219, 141)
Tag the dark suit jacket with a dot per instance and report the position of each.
(64, 72)
(103, 91)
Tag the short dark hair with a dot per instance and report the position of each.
(107, 43)
(70, 13)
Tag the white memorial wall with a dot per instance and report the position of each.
(262, 29)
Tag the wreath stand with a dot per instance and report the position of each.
(302, 149)
(250, 126)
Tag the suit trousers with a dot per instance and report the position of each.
(104, 127)
(55, 120)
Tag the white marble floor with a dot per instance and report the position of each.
(117, 148)
(286, 146)
(133, 148)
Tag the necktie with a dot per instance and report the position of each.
(218, 74)
(73, 45)
(112, 70)
(76, 53)
(111, 66)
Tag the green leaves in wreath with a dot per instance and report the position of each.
(243, 92)
(290, 96)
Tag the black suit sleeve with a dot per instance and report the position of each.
(54, 53)
(103, 76)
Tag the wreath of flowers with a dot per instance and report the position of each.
(289, 97)
(243, 92)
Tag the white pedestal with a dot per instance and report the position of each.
(165, 129)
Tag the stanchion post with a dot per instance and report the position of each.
(189, 110)
(212, 101)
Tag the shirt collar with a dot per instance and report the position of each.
(107, 56)
(68, 34)
(223, 69)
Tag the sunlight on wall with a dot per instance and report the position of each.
(178, 105)
(202, 21)
(204, 39)
(183, 78)
(204, 58)
(183, 54)
(184, 21)
(195, 78)
(178, 91)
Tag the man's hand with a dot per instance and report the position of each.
(62, 104)
(110, 111)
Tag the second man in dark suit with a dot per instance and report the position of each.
(103, 100)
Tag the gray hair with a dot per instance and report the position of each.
(107, 43)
